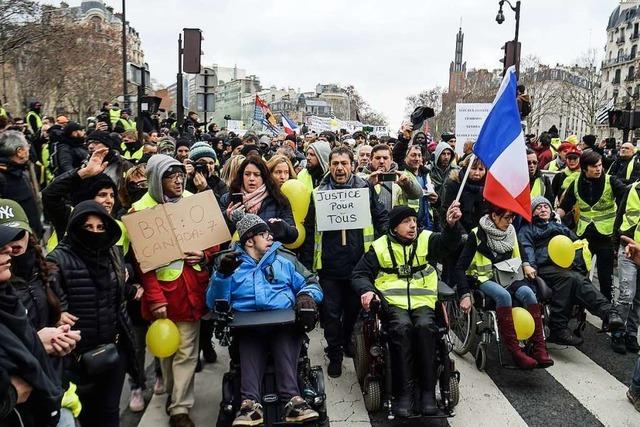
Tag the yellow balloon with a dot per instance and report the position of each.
(298, 196)
(163, 338)
(562, 251)
(300, 239)
(523, 323)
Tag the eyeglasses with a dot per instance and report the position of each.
(265, 235)
(532, 162)
(507, 217)
(203, 162)
(139, 184)
(175, 176)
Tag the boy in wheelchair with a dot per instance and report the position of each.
(397, 270)
(570, 286)
(492, 244)
(262, 276)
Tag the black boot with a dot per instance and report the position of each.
(564, 337)
(206, 345)
(618, 343)
(612, 321)
(403, 404)
(631, 342)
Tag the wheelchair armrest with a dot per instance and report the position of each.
(544, 291)
(445, 292)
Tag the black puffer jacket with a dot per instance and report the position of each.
(97, 298)
(68, 155)
(16, 185)
(472, 203)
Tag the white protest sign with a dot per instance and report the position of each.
(342, 209)
(469, 121)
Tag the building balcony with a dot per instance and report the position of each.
(617, 61)
(629, 78)
(615, 81)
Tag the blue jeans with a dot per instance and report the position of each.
(635, 381)
(502, 297)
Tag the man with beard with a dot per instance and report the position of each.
(317, 164)
(70, 152)
(414, 167)
(440, 170)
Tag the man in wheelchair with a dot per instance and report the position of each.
(397, 270)
(570, 286)
(260, 275)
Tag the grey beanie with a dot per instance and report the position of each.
(248, 225)
(539, 200)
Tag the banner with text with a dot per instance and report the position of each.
(469, 121)
(342, 209)
(162, 234)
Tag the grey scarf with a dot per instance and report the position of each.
(498, 241)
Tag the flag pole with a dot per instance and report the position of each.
(466, 175)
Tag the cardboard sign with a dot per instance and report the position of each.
(163, 234)
(342, 209)
(469, 121)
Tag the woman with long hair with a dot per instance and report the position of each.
(281, 169)
(259, 194)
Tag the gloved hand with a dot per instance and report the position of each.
(229, 263)
(307, 319)
(278, 228)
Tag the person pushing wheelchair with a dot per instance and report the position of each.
(260, 275)
(397, 270)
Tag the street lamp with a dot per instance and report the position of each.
(500, 19)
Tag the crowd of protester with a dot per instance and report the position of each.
(75, 306)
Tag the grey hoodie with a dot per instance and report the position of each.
(322, 150)
(157, 165)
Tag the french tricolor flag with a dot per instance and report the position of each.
(502, 149)
(289, 125)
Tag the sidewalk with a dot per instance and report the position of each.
(344, 398)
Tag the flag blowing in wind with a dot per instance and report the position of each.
(289, 126)
(502, 149)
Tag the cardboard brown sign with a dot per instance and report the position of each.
(163, 234)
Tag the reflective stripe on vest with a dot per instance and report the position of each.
(368, 235)
(172, 271)
(602, 214)
(631, 215)
(419, 290)
(538, 188)
(481, 267)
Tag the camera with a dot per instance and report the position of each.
(611, 143)
(390, 176)
(202, 168)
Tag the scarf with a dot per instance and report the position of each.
(498, 241)
(253, 201)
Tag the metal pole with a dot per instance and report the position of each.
(179, 95)
(516, 50)
(141, 93)
(125, 89)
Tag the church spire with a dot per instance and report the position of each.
(459, 45)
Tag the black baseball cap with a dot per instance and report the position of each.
(10, 234)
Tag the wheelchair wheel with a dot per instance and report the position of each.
(454, 390)
(373, 396)
(360, 356)
(462, 332)
(481, 357)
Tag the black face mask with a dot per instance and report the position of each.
(22, 266)
(135, 193)
(91, 240)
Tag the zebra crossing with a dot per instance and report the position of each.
(585, 387)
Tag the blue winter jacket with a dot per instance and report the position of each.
(270, 284)
(534, 239)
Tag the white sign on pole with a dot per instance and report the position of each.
(342, 209)
(469, 120)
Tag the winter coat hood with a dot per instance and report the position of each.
(439, 149)
(158, 164)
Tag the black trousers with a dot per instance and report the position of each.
(602, 248)
(100, 395)
(412, 339)
(570, 288)
(339, 311)
(254, 345)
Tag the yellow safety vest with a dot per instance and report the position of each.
(114, 115)
(553, 166)
(602, 214)
(631, 215)
(126, 124)
(71, 401)
(123, 242)
(555, 144)
(3, 112)
(170, 272)
(136, 155)
(538, 188)
(305, 177)
(571, 176)
(420, 287)
(38, 121)
(481, 267)
(368, 235)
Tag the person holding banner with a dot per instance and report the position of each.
(175, 291)
(408, 299)
(333, 254)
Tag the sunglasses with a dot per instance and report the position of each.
(532, 162)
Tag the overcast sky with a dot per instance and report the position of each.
(388, 49)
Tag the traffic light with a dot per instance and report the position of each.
(192, 50)
(616, 119)
(511, 56)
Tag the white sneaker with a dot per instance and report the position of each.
(158, 387)
(136, 401)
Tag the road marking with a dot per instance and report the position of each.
(594, 387)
